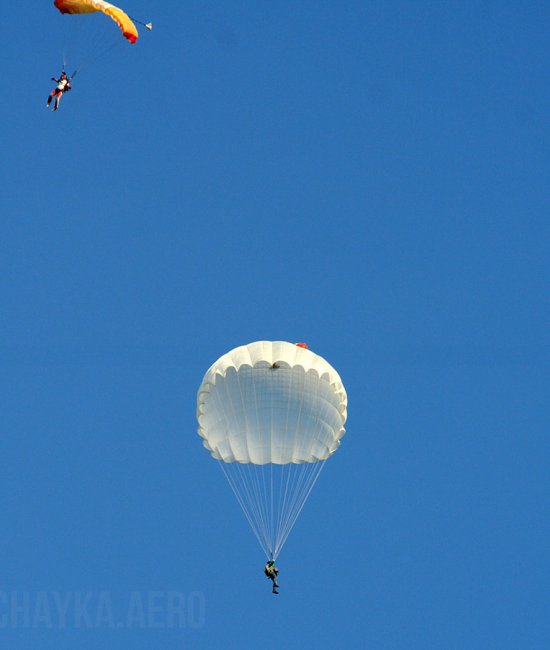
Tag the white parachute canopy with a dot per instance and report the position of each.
(271, 413)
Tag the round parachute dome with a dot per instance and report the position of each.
(271, 402)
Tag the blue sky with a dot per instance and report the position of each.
(369, 177)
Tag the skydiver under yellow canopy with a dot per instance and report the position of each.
(63, 86)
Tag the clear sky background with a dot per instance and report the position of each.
(369, 177)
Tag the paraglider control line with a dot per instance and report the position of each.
(149, 26)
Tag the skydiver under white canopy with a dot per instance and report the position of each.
(271, 413)
(271, 571)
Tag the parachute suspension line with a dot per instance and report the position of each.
(90, 37)
(271, 510)
(104, 43)
(300, 503)
(257, 501)
(251, 487)
(282, 501)
(266, 493)
(296, 473)
(256, 489)
(259, 495)
(70, 34)
(244, 508)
